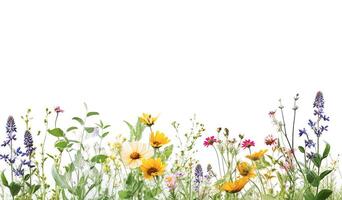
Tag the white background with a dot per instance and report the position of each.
(227, 61)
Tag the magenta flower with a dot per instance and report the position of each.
(248, 144)
(210, 141)
(58, 109)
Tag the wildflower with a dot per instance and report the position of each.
(248, 144)
(11, 129)
(319, 100)
(226, 132)
(19, 171)
(58, 110)
(310, 155)
(115, 146)
(133, 154)
(210, 171)
(158, 139)
(302, 132)
(147, 119)
(272, 114)
(309, 143)
(106, 168)
(112, 156)
(28, 142)
(218, 130)
(170, 181)
(152, 167)
(270, 140)
(257, 155)
(10, 125)
(210, 141)
(246, 169)
(235, 186)
(198, 177)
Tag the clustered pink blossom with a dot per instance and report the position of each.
(171, 181)
(210, 141)
(248, 144)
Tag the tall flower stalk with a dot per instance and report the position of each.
(11, 130)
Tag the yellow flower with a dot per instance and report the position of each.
(235, 186)
(106, 168)
(158, 139)
(152, 167)
(115, 145)
(147, 119)
(112, 156)
(257, 155)
(133, 153)
(246, 169)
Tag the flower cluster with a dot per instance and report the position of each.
(149, 164)
(16, 155)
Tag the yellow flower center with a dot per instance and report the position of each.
(135, 155)
(151, 171)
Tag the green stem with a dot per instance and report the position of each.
(218, 161)
(260, 193)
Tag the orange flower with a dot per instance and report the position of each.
(235, 186)
(152, 167)
(246, 169)
(257, 155)
(158, 139)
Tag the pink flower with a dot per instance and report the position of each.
(171, 181)
(210, 141)
(248, 144)
(270, 140)
(58, 110)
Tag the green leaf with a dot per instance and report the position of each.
(323, 194)
(99, 158)
(57, 132)
(72, 128)
(34, 188)
(139, 129)
(104, 134)
(317, 160)
(92, 113)
(26, 177)
(125, 194)
(131, 129)
(14, 188)
(326, 151)
(130, 179)
(301, 149)
(59, 179)
(325, 173)
(168, 151)
(308, 195)
(312, 178)
(89, 129)
(61, 144)
(79, 120)
(4, 179)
